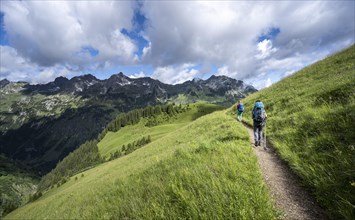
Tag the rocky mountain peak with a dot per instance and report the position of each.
(119, 75)
(120, 79)
(86, 77)
(196, 80)
(61, 80)
(219, 78)
(4, 82)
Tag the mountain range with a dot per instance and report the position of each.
(41, 124)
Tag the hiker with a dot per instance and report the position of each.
(240, 110)
(259, 118)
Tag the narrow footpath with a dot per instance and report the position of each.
(293, 200)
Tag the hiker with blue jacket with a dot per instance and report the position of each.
(240, 110)
(259, 119)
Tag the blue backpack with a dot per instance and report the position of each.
(259, 112)
(241, 107)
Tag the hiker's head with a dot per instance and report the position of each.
(259, 104)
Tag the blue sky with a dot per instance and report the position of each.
(3, 37)
(258, 42)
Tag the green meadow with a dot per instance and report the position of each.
(311, 124)
(115, 140)
(200, 169)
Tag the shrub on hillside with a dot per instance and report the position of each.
(130, 148)
(35, 196)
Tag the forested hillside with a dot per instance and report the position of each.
(88, 155)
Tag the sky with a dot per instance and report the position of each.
(259, 42)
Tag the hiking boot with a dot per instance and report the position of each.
(257, 143)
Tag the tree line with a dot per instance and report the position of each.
(134, 116)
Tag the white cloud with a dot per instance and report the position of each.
(55, 32)
(226, 34)
(52, 34)
(48, 74)
(224, 71)
(265, 49)
(137, 75)
(14, 67)
(147, 50)
(175, 75)
(10, 59)
(216, 33)
(268, 82)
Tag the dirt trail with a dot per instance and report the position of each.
(285, 188)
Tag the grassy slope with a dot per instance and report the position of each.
(205, 169)
(114, 140)
(311, 123)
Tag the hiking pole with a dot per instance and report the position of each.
(265, 137)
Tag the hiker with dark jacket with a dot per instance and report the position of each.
(259, 118)
(240, 110)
